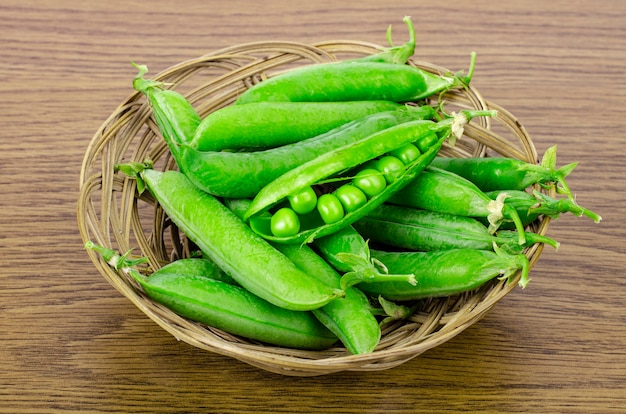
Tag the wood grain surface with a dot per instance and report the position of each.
(69, 342)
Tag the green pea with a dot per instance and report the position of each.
(426, 142)
(285, 223)
(390, 166)
(406, 153)
(370, 181)
(304, 201)
(330, 208)
(351, 197)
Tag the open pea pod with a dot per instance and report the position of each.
(241, 174)
(342, 159)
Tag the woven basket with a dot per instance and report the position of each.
(111, 214)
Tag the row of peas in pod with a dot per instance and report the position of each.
(322, 209)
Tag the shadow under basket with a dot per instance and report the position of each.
(111, 214)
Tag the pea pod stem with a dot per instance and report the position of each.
(394, 54)
(141, 84)
(174, 115)
(505, 237)
(346, 240)
(393, 311)
(115, 260)
(347, 251)
(466, 79)
(364, 272)
(548, 163)
(520, 263)
(460, 79)
(547, 206)
(531, 206)
(499, 210)
(402, 53)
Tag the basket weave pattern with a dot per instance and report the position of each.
(111, 214)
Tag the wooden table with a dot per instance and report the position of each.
(70, 342)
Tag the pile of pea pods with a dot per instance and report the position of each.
(322, 209)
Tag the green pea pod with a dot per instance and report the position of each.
(350, 317)
(349, 156)
(227, 241)
(347, 81)
(174, 115)
(244, 174)
(446, 272)
(352, 321)
(531, 206)
(262, 125)
(445, 192)
(187, 287)
(424, 230)
(500, 173)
